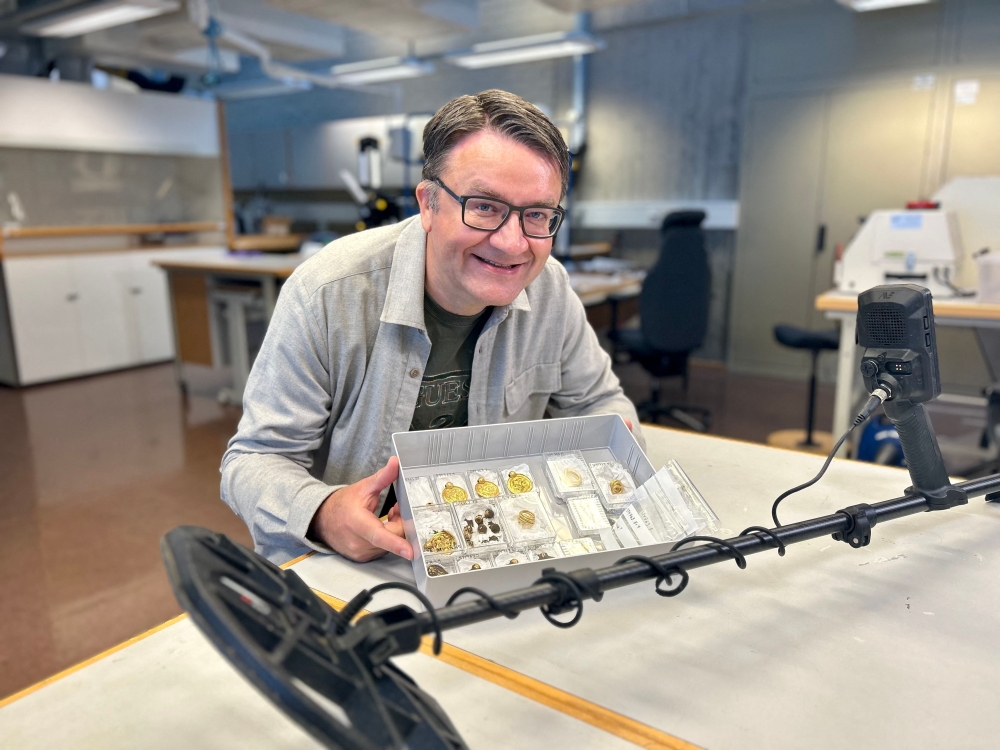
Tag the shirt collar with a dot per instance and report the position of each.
(404, 299)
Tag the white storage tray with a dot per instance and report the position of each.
(462, 449)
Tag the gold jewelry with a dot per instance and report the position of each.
(512, 561)
(441, 541)
(519, 483)
(476, 566)
(485, 488)
(436, 570)
(617, 487)
(453, 494)
(572, 477)
(526, 518)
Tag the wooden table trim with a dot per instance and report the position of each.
(99, 229)
(830, 302)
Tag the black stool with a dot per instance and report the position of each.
(815, 342)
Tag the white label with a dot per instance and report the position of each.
(623, 533)
(966, 92)
(666, 483)
(640, 526)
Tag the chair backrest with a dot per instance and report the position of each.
(675, 294)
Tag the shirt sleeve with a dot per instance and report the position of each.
(266, 475)
(589, 386)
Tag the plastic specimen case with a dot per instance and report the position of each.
(519, 448)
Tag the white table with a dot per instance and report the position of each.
(843, 307)
(892, 645)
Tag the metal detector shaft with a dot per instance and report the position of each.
(626, 574)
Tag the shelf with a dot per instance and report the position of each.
(266, 242)
(99, 229)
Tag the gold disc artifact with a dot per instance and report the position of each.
(617, 487)
(486, 488)
(453, 494)
(441, 541)
(519, 483)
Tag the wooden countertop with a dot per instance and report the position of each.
(835, 301)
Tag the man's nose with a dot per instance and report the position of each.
(509, 237)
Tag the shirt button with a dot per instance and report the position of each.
(414, 372)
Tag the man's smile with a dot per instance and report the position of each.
(497, 264)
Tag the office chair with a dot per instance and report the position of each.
(673, 306)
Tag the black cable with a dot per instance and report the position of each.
(510, 614)
(880, 395)
(767, 533)
(423, 600)
(663, 574)
(741, 562)
(566, 583)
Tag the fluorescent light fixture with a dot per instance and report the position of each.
(525, 49)
(97, 16)
(862, 6)
(381, 70)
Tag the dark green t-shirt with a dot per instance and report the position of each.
(444, 391)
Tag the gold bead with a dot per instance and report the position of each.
(617, 487)
(526, 518)
(572, 478)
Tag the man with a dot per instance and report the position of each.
(454, 317)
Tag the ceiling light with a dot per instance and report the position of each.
(381, 70)
(525, 49)
(97, 16)
(865, 5)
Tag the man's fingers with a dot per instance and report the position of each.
(378, 535)
(393, 513)
(628, 423)
(383, 477)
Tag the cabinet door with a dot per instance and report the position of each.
(102, 283)
(44, 309)
(149, 301)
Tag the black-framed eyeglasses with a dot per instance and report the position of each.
(489, 214)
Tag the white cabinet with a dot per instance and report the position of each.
(80, 314)
(44, 306)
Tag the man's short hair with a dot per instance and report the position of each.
(501, 112)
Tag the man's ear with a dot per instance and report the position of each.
(426, 194)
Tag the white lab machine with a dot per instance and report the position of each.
(903, 247)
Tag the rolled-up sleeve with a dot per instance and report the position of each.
(266, 475)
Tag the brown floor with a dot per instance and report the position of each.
(94, 471)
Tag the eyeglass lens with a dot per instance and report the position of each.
(537, 221)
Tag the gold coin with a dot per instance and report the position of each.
(617, 487)
(519, 483)
(572, 477)
(485, 488)
(441, 541)
(453, 494)
(526, 518)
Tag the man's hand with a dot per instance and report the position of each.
(346, 520)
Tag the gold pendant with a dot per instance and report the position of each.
(519, 483)
(526, 518)
(572, 478)
(441, 541)
(453, 494)
(617, 487)
(485, 488)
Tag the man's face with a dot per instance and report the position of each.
(469, 269)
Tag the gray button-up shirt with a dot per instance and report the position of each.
(341, 366)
